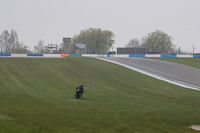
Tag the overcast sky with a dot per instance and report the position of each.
(51, 20)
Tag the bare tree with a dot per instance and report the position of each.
(13, 40)
(143, 40)
(133, 43)
(18, 48)
(40, 47)
(4, 41)
(8, 41)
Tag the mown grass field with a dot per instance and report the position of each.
(193, 62)
(37, 96)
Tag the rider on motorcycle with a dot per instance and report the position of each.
(81, 88)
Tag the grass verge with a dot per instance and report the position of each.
(193, 62)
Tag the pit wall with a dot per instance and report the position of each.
(100, 55)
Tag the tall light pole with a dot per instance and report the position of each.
(25, 49)
(193, 49)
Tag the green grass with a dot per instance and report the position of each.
(193, 62)
(37, 96)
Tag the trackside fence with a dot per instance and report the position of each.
(101, 55)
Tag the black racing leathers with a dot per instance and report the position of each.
(81, 88)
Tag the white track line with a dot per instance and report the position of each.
(179, 83)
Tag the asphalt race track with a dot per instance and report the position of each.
(168, 70)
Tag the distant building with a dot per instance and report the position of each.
(80, 47)
(134, 50)
(67, 42)
(51, 49)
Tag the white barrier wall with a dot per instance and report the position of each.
(185, 56)
(51, 55)
(18, 55)
(152, 55)
(104, 55)
(100, 55)
(89, 55)
(119, 55)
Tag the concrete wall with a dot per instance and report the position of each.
(33, 55)
(18, 55)
(136, 55)
(89, 55)
(166, 56)
(185, 56)
(121, 55)
(196, 56)
(102, 55)
(4, 55)
(51, 55)
(152, 55)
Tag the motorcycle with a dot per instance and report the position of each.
(78, 93)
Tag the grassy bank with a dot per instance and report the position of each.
(37, 96)
(193, 62)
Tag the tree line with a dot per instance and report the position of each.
(157, 42)
(96, 40)
(9, 43)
